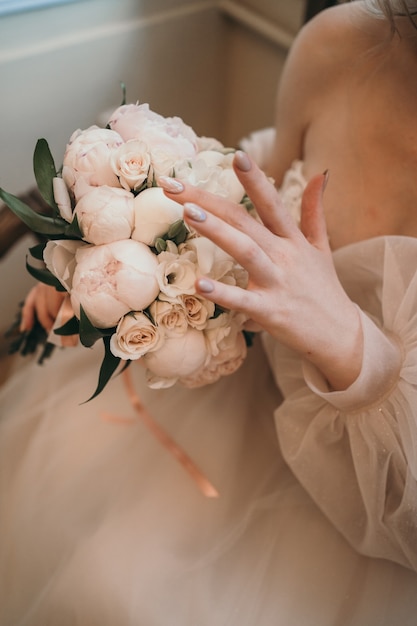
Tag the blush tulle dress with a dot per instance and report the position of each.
(316, 521)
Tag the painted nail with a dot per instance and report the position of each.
(172, 185)
(242, 161)
(194, 212)
(205, 285)
(325, 180)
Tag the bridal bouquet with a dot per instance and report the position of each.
(122, 252)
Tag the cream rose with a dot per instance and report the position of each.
(131, 163)
(135, 336)
(178, 357)
(171, 316)
(154, 213)
(105, 214)
(59, 256)
(112, 279)
(87, 160)
(198, 310)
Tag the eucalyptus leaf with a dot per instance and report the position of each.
(45, 171)
(71, 327)
(107, 369)
(44, 276)
(41, 224)
(175, 229)
(160, 245)
(89, 334)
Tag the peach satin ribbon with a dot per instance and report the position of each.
(169, 444)
(66, 313)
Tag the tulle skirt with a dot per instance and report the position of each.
(100, 525)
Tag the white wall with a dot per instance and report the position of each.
(205, 60)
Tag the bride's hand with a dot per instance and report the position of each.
(293, 292)
(42, 302)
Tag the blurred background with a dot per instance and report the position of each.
(214, 63)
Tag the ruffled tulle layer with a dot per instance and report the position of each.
(100, 525)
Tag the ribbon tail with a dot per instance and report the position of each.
(164, 438)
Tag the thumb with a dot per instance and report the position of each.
(313, 223)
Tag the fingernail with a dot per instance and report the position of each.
(194, 212)
(22, 327)
(325, 180)
(172, 185)
(205, 285)
(242, 161)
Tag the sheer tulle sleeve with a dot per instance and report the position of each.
(355, 451)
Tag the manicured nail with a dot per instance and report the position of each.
(172, 185)
(325, 180)
(194, 212)
(242, 161)
(205, 285)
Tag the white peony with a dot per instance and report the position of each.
(87, 160)
(154, 213)
(209, 143)
(135, 336)
(169, 138)
(212, 170)
(105, 214)
(216, 332)
(178, 358)
(62, 198)
(59, 256)
(232, 352)
(112, 279)
(211, 260)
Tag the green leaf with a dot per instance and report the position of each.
(89, 334)
(178, 232)
(44, 276)
(45, 171)
(160, 245)
(71, 327)
(123, 86)
(37, 251)
(73, 229)
(107, 369)
(41, 224)
(249, 337)
(247, 203)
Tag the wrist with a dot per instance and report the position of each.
(340, 356)
(383, 356)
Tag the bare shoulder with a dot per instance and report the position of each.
(321, 56)
(332, 40)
